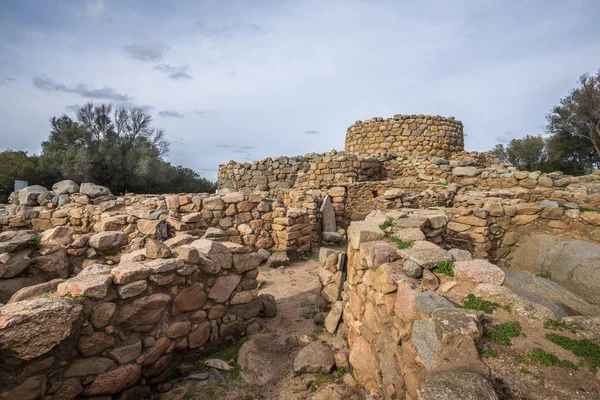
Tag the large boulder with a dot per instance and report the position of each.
(24, 326)
(456, 385)
(219, 254)
(15, 240)
(259, 357)
(572, 263)
(479, 271)
(65, 187)
(142, 314)
(29, 195)
(108, 242)
(114, 380)
(93, 190)
(12, 264)
(317, 358)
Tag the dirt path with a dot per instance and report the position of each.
(295, 289)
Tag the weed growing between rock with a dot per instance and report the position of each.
(473, 302)
(501, 334)
(444, 268)
(545, 275)
(321, 380)
(386, 224)
(401, 245)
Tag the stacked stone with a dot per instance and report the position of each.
(311, 170)
(492, 229)
(398, 329)
(116, 326)
(292, 230)
(406, 135)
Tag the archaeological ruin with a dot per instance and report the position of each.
(424, 252)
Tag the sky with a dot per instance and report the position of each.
(245, 80)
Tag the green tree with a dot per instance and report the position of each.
(574, 125)
(18, 165)
(116, 148)
(527, 154)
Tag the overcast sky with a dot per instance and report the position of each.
(246, 80)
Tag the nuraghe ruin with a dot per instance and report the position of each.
(97, 303)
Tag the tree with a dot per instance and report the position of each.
(577, 119)
(527, 154)
(18, 165)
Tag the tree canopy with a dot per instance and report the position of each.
(572, 142)
(114, 147)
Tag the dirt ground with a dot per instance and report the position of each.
(295, 288)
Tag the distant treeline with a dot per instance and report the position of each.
(572, 140)
(117, 148)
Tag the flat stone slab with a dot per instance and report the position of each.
(453, 322)
(480, 271)
(426, 258)
(361, 232)
(426, 340)
(456, 385)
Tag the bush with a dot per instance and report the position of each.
(501, 334)
(445, 268)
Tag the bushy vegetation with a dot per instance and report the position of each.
(589, 350)
(543, 357)
(561, 326)
(473, 302)
(116, 148)
(501, 333)
(444, 268)
(386, 224)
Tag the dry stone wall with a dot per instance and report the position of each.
(122, 327)
(406, 135)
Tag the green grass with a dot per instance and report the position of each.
(473, 302)
(561, 326)
(201, 366)
(543, 357)
(545, 275)
(489, 352)
(589, 350)
(401, 245)
(34, 241)
(537, 376)
(507, 265)
(388, 223)
(230, 351)
(444, 268)
(501, 334)
(321, 380)
(188, 396)
(78, 299)
(271, 251)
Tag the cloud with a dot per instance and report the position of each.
(94, 9)
(146, 51)
(311, 132)
(176, 72)
(170, 114)
(7, 79)
(107, 93)
(246, 147)
(201, 114)
(129, 105)
(73, 107)
(226, 146)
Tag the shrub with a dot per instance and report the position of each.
(401, 245)
(473, 302)
(386, 224)
(585, 348)
(501, 334)
(444, 268)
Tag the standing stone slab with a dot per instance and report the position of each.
(426, 340)
(333, 318)
(328, 215)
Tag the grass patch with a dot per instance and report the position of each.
(489, 352)
(271, 250)
(507, 265)
(585, 348)
(545, 275)
(542, 357)
(501, 334)
(473, 302)
(537, 376)
(35, 241)
(444, 268)
(230, 351)
(201, 366)
(561, 326)
(321, 380)
(388, 223)
(401, 245)
(78, 299)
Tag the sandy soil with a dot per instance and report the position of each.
(295, 288)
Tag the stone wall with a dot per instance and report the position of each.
(121, 327)
(401, 333)
(406, 135)
(311, 170)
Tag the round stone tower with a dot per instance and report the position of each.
(406, 135)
